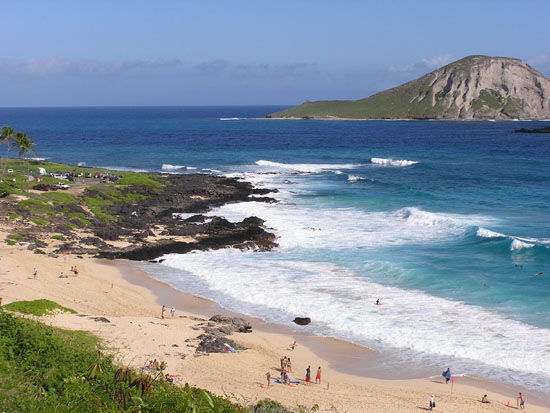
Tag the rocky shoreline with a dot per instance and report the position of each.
(142, 220)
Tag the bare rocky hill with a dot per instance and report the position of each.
(476, 87)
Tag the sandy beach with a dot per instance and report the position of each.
(136, 333)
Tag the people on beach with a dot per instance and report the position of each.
(173, 312)
(288, 365)
(63, 275)
(34, 273)
(521, 402)
(432, 402)
(268, 375)
(308, 375)
(447, 375)
(293, 345)
(163, 311)
(484, 399)
(318, 376)
(378, 301)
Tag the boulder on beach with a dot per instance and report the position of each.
(302, 321)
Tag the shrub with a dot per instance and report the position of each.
(37, 307)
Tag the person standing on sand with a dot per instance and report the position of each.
(521, 401)
(34, 273)
(432, 402)
(308, 375)
(318, 376)
(447, 375)
(173, 312)
(268, 375)
(288, 365)
(163, 311)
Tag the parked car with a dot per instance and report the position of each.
(10, 170)
(59, 185)
(41, 187)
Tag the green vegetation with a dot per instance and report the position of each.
(60, 198)
(58, 237)
(12, 243)
(13, 215)
(50, 369)
(15, 237)
(134, 178)
(37, 206)
(39, 221)
(37, 307)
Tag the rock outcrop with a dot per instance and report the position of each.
(476, 87)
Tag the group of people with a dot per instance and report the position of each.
(172, 312)
(74, 270)
(286, 370)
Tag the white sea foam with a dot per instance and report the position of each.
(392, 162)
(304, 167)
(417, 325)
(231, 118)
(305, 227)
(354, 178)
(81, 164)
(487, 233)
(168, 167)
(518, 245)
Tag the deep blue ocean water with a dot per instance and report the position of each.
(446, 223)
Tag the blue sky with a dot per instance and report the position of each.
(80, 53)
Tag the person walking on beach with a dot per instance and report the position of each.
(288, 365)
(432, 402)
(521, 402)
(318, 376)
(268, 375)
(447, 375)
(173, 312)
(163, 311)
(308, 375)
(34, 273)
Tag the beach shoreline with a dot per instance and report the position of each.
(131, 301)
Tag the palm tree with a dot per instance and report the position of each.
(6, 136)
(25, 145)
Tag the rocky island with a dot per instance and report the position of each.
(473, 88)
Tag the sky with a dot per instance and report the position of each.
(211, 52)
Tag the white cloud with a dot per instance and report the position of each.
(423, 65)
(541, 63)
(81, 67)
(259, 70)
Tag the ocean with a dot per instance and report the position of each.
(446, 223)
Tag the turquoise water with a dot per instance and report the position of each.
(446, 223)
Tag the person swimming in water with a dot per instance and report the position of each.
(378, 301)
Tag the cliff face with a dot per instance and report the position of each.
(476, 87)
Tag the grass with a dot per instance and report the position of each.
(133, 178)
(50, 369)
(36, 206)
(13, 215)
(12, 243)
(39, 221)
(58, 237)
(15, 237)
(60, 198)
(37, 307)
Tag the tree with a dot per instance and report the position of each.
(25, 145)
(7, 136)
